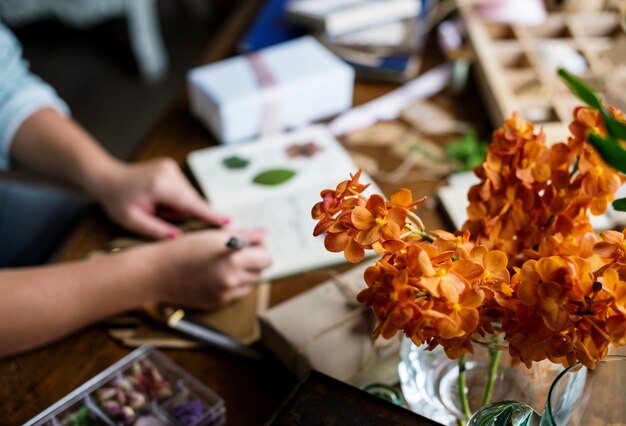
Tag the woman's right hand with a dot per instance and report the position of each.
(199, 271)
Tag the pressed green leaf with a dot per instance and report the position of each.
(274, 177)
(620, 204)
(235, 162)
(610, 151)
(581, 90)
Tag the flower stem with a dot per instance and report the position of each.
(463, 390)
(415, 219)
(575, 167)
(419, 232)
(494, 357)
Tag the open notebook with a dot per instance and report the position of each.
(273, 183)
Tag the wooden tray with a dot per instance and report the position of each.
(513, 76)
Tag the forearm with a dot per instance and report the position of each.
(60, 147)
(42, 304)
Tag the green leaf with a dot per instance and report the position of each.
(620, 205)
(614, 127)
(581, 90)
(586, 94)
(610, 151)
(468, 151)
(82, 417)
(274, 177)
(503, 413)
(235, 162)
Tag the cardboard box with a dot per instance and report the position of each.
(325, 329)
(265, 92)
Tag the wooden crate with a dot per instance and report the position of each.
(513, 76)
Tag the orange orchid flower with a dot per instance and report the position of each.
(598, 181)
(403, 198)
(351, 186)
(616, 288)
(526, 263)
(375, 221)
(534, 164)
(612, 246)
(585, 120)
(463, 319)
(459, 244)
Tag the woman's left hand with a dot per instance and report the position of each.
(141, 196)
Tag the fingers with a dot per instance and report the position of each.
(197, 207)
(151, 226)
(253, 259)
(209, 272)
(236, 293)
(246, 240)
(182, 197)
(242, 268)
(254, 237)
(240, 287)
(143, 189)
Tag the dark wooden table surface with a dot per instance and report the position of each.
(33, 381)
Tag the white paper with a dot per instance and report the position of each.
(388, 107)
(284, 209)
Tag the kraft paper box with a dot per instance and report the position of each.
(325, 329)
(284, 86)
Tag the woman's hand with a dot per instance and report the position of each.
(196, 270)
(199, 271)
(137, 196)
(140, 196)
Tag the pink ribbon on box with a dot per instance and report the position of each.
(271, 110)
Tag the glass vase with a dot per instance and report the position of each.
(577, 397)
(430, 380)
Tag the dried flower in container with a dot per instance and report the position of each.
(150, 381)
(189, 412)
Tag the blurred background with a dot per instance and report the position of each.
(92, 64)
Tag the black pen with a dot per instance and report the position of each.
(175, 319)
(236, 243)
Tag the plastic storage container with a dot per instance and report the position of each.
(145, 388)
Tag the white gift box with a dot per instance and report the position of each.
(283, 86)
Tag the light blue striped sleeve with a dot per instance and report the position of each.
(21, 93)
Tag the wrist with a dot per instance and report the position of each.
(102, 175)
(156, 271)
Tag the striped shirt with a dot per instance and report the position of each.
(21, 93)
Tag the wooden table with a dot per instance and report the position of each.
(31, 382)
